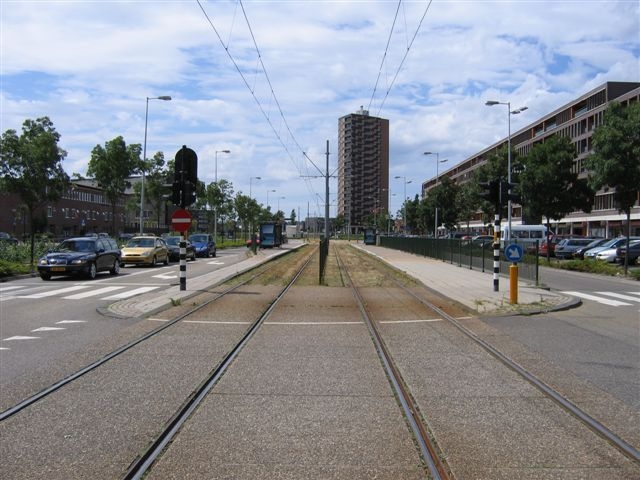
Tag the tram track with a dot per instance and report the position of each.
(241, 281)
(373, 286)
(580, 414)
(427, 446)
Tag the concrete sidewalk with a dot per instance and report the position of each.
(472, 288)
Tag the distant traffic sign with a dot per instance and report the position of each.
(181, 220)
(513, 252)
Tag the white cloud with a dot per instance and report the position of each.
(90, 65)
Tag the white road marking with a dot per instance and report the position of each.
(313, 323)
(18, 337)
(10, 287)
(92, 293)
(620, 296)
(606, 301)
(47, 329)
(216, 322)
(215, 262)
(71, 321)
(414, 321)
(130, 293)
(165, 277)
(51, 293)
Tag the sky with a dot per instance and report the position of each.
(268, 80)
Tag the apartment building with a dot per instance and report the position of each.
(363, 169)
(576, 120)
(83, 209)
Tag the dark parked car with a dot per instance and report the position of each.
(81, 256)
(204, 243)
(634, 252)
(5, 237)
(567, 247)
(579, 253)
(173, 243)
(482, 241)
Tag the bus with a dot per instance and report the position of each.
(369, 236)
(270, 234)
(523, 234)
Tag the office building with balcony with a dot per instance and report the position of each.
(363, 169)
(576, 120)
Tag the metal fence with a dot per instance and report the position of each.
(463, 253)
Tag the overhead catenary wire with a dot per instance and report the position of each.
(252, 90)
(406, 54)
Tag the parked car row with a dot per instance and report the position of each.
(608, 251)
(573, 247)
(88, 255)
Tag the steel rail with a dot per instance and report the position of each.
(427, 447)
(618, 442)
(110, 356)
(143, 463)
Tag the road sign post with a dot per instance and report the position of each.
(514, 253)
(181, 221)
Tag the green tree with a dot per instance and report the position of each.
(497, 168)
(111, 166)
(447, 194)
(248, 211)
(292, 217)
(467, 202)
(219, 201)
(550, 185)
(31, 167)
(155, 191)
(410, 208)
(339, 223)
(615, 162)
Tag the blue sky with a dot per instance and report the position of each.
(90, 65)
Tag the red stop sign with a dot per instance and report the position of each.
(181, 220)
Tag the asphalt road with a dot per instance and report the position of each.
(598, 342)
(49, 329)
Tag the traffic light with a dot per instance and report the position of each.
(185, 177)
(188, 194)
(176, 193)
(186, 165)
(505, 196)
(490, 191)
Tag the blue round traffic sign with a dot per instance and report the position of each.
(513, 252)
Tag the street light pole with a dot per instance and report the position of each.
(404, 201)
(251, 198)
(438, 162)
(510, 112)
(144, 157)
(215, 208)
(268, 197)
(250, 179)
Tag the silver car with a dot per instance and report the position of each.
(606, 249)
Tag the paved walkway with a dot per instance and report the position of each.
(472, 288)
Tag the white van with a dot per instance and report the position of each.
(523, 234)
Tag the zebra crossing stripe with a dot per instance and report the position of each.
(51, 293)
(620, 296)
(10, 287)
(92, 293)
(606, 301)
(130, 293)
